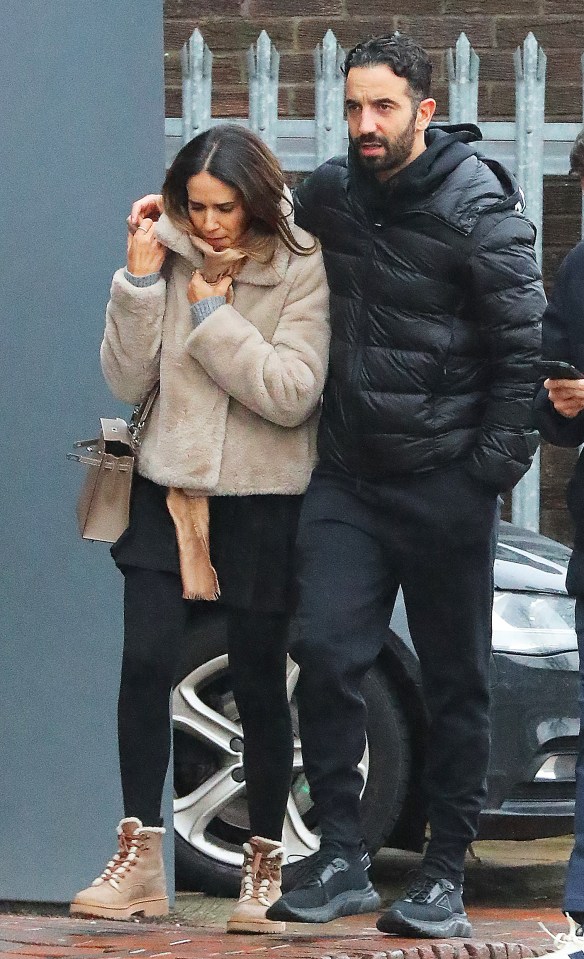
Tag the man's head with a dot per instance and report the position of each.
(388, 103)
(577, 157)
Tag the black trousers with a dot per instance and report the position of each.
(156, 619)
(435, 535)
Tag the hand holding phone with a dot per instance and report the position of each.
(565, 386)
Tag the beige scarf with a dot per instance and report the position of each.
(190, 513)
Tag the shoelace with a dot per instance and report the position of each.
(259, 869)
(562, 939)
(423, 886)
(124, 859)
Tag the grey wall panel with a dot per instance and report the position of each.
(66, 187)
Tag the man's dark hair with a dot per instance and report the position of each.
(401, 54)
(577, 155)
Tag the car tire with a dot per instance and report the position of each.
(208, 773)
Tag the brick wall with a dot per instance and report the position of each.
(494, 27)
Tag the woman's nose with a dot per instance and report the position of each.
(210, 221)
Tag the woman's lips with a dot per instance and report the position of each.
(215, 240)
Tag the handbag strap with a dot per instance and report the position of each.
(140, 415)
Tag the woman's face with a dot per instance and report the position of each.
(216, 211)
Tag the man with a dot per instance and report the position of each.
(435, 304)
(559, 416)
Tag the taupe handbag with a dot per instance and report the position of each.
(103, 506)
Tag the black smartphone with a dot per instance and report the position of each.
(558, 370)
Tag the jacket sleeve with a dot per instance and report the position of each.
(507, 301)
(281, 380)
(563, 329)
(130, 350)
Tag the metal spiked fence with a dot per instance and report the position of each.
(529, 145)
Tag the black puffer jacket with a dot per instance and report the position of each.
(563, 339)
(436, 302)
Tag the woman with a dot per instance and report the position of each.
(224, 303)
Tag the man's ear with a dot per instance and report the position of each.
(425, 113)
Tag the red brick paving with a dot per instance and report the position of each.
(498, 934)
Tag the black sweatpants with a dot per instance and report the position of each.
(156, 621)
(435, 535)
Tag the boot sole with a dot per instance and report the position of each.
(457, 927)
(148, 907)
(351, 903)
(269, 926)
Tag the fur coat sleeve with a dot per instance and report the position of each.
(281, 379)
(130, 351)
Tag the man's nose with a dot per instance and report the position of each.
(367, 121)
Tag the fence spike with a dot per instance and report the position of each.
(328, 97)
(530, 71)
(463, 82)
(263, 64)
(196, 62)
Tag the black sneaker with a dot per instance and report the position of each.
(336, 885)
(293, 873)
(431, 908)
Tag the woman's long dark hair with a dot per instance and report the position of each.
(238, 158)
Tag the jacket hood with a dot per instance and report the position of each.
(448, 147)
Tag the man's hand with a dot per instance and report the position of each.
(566, 396)
(145, 254)
(199, 289)
(150, 206)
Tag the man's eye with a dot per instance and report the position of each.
(352, 107)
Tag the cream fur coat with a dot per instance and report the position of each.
(239, 394)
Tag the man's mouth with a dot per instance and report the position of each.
(370, 147)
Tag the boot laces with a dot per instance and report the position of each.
(124, 859)
(260, 869)
(574, 935)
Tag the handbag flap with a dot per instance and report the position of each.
(115, 431)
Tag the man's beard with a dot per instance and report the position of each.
(396, 152)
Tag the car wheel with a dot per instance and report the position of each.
(210, 813)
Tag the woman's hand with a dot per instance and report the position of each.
(145, 254)
(199, 289)
(566, 396)
(150, 206)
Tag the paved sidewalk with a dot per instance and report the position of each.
(498, 934)
(510, 888)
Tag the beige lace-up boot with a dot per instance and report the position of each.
(261, 882)
(133, 881)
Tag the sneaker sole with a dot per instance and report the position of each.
(269, 926)
(457, 927)
(149, 907)
(351, 903)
